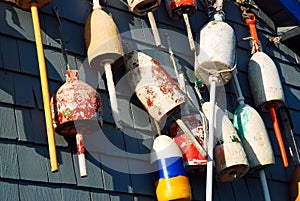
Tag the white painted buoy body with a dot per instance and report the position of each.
(264, 82)
(254, 136)
(229, 156)
(142, 7)
(171, 180)
(216, 52)
(198, 126)
(154, 87)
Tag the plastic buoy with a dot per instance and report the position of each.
(171, 181)
(104, 47)
(146, 7)
(182, 9)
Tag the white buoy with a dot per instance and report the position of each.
(231, 160)
(265, 82)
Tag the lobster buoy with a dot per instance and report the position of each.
(179, 9)
(216, 51)
(75, 107)
(104, 48)
(267, 90)
(146, 7)
(153, 86)
(171, 181)
(230, 158)
(254, 136)
(295, 185)
(192, 158)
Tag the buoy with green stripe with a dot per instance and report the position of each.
(171, 181)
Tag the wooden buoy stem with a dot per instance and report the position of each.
(81, 155)
(189, 31)
(112, 95)
(278, 136)
(154, 29)
(44, 86)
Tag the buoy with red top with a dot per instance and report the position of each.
(104, 48)
(157, 91)
(182, 9)
(146, 7)
(76, 110)
(265, 84)
(171, 181)
(33, 6)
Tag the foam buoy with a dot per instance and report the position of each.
(104, 48)
(192, 158)
(171, 181)
(230, 158)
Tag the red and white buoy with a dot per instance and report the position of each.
(157, 91)
(171, 181)
(146, 7)
(104, 48)
(182, 9)
(76, 110)
(196, 123)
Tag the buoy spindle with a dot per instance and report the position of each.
(154, 29)
(81, 155)
(112, 95)
(278, 136)
(189, 31)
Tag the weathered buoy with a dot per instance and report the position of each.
(104, 48)
(146, 7)
(191, 156)
(267, 90)
(76, 110)
(230, 158)
(182, 9)
(254, 136)
(216, 51)
(171, 181)
(153, 86)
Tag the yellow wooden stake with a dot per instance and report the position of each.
(44, 85)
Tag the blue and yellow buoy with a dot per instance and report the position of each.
(171, 181)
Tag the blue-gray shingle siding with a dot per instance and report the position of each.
(24, 162)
